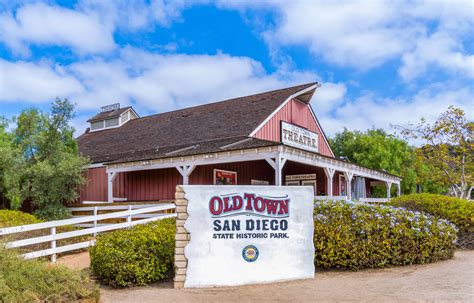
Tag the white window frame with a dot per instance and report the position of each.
(312, 182)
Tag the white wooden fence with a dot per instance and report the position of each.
(129, 214)
(95, 210)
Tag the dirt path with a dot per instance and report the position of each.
(448, 281)
(75, 261)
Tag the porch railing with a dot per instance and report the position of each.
(360, 200)
(374, 200)
(129, 215)
(332, 198)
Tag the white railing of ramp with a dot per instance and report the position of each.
(129, 214)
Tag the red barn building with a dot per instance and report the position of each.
(269, 138)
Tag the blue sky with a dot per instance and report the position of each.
(380, 63)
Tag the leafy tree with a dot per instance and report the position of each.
(378, 150)
(49, 172)
(10, 162)
(447, 149)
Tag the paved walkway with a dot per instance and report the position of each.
(447, 281)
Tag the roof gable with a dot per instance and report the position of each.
(297, 113)
(236, 117)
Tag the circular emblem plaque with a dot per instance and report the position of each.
(250, 253)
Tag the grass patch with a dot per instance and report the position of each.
(37, 281)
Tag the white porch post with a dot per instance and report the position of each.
(110, 186)
(389, 186)
(348, 176)
(399, 189)
(329, 175)
(185, 172)
(277, 165)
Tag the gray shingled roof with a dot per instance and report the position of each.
(209, 126)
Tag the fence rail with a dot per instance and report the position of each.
(374, 200)
(144, 214)
(332, 198)
(81, 211)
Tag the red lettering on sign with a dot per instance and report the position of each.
(215, 206)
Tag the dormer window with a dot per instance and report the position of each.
(112, 116)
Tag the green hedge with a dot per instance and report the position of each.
(355, 236)
(135, 256)
(14, 218)
(37, 281)
(458, 211)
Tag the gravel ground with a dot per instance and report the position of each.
(447, 281)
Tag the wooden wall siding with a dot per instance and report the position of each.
(298, 113)
(160, 184)
(335, 183)
(368, 189)
(95, 188)
(149, 185)
(246, 171)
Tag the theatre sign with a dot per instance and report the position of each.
(298, 137)
(248, 234)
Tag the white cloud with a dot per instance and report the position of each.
(355, 33)
(328, 97)
(35, 82)
(440, 50)
(164, 82)
(133, 15)
(156, 83)
(152, 82)
(366, 34)
(164, 12)
(369, 110)
(53, 25)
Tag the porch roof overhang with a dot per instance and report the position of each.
(252, 154)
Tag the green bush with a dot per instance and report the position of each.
(355, 236)
(15, 217)
(37, 281)
(53, 212)
(458, 211)
(135, 256)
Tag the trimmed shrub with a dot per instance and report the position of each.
(37, 281)
(135, 256)
(458, 211)
(53, 212)
(356, 236)
(15, 217)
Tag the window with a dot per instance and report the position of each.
(124, 118)
(97, 125)
(112, 122)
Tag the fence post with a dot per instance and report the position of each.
(129, 217)
(95, 220)
(53, 244)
